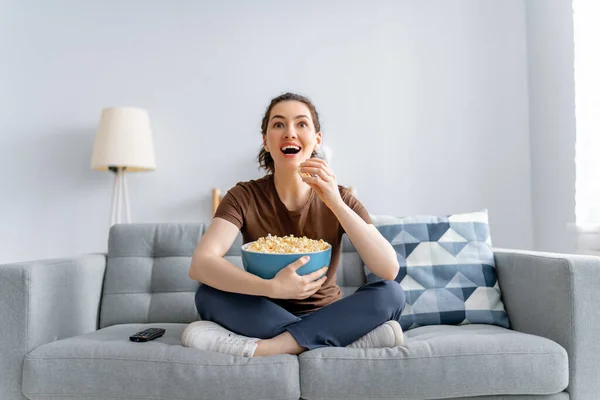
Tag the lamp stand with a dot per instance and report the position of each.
(120, 198)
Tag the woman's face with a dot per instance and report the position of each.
(291, 136)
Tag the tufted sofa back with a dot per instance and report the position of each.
(147, 268)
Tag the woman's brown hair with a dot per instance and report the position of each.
(265, 160)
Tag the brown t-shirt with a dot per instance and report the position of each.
(256, 209)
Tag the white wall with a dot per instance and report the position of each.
(552, 122)
(424, 103)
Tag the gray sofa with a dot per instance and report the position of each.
(66, 324)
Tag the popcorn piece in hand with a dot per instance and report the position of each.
(303, 174)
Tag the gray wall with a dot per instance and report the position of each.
(424, 103)
(552, 122)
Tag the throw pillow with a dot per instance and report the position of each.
(447, 269)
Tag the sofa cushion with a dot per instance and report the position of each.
(447, 269)
(438, 361)
(146, 277)
(350, 274)
(107, 365)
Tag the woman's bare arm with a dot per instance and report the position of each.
(208, 265)
(372, 247)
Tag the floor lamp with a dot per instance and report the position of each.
(123, 144)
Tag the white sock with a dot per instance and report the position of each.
(388, 334)
(210, 336)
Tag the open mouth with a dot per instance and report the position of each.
(290, 149)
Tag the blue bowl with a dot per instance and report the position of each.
(267, 265)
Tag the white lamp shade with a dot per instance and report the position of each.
(124, 139)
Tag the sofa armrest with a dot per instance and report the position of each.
(43, 301)
(556, 296)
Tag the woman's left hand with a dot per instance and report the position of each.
(322, 180)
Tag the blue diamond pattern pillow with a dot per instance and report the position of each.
(447, 269)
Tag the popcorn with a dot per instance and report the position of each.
(287, 245)
(303, 174)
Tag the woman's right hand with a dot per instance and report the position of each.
(287, 284)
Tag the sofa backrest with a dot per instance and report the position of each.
(146, 277)
(147, 269)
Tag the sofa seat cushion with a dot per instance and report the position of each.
(438, 361)
(106, 364)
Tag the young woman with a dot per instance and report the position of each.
(245, 315)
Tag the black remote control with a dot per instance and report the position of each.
(147, 334)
